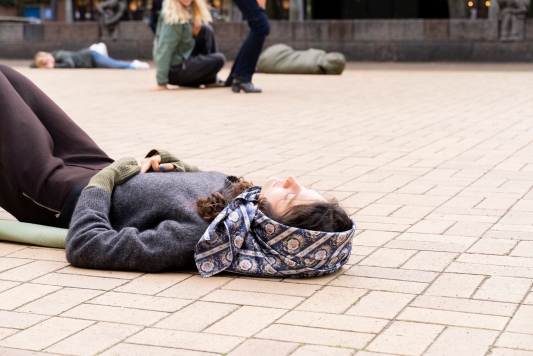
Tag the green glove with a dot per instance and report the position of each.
(167, 157)
(32, 234)
(115, 174)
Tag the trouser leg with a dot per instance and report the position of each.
(205, 42)
(102, 61)
(244, 66)
(198, 70)
(44, 155)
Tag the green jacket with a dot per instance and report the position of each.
(173, 44)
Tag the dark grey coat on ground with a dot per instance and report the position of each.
(150, 224)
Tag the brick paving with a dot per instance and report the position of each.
(434, 162)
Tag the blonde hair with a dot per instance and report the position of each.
(175, 13)
(38, 57)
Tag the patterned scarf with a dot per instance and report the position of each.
(243, 240)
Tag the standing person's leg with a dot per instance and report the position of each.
(204, 42)
(197, 70)
(44, 155)
(246, 61)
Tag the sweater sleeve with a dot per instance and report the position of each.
(93, 243)
(63, 60)
(167, 157)
(167, 41)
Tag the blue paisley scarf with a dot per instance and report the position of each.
(243, 240)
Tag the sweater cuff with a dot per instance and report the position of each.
(95, 199)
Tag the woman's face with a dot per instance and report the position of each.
(282, 194)
(185, 2)
(48, 61)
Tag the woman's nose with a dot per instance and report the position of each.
(291, 182)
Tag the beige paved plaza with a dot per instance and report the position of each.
(435, 162)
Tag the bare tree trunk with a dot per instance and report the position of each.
(19, 6)
(458, 9)
(296, 10)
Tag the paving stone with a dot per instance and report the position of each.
(405, 338)
(9, 263)
(493, 246)
(385, 257)
(5, 285)
(462, 341)
(430, 261)
(100, 273)
(516, 341)
(510, 352)
(77, 281)
(197, 316)
(45, 254)
(331, 321)
(504, 289)
(314, 336)
(521, 321)
(25, 293)
(255, 319)
(464, 305)
(140, 301)
(60, 301)
(392, 273)
(431, 226)
(5, 332)
(186, 340)
(374, 238)
(453, 318)
(17, 320)
(45, 334)
(152, 283)
(253, 299)
(332, 299)
(115, 314)
(380, 284)
(264, 348)
(455, 285)
(7, 248)
(381, 304)
(194, 287)
(524, 249)
(31, 271)
(265, 286)
(94, 339)
(313, 350)
(124, 349)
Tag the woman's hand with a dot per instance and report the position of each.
(159, 87)
(154, 162)
(262, 3)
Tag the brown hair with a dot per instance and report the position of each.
(327, 216)
(37, 58)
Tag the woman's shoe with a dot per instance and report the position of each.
(246, 87)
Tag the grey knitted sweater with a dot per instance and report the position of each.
(150, 223)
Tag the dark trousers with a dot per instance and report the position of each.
(44, 155)
(246, 61)
(203, 64)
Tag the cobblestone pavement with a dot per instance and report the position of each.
(435, 162)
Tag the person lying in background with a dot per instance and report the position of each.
(93, 57)
(283, 59)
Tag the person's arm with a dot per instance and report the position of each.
(171, 162)
(167, 41)
(63, 60)
(93, 243)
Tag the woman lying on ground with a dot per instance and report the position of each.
(93, 57)
(170, 216)
(180, 58)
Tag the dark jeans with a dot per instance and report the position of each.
(203, 64)
(44, 155)
(246, 61)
